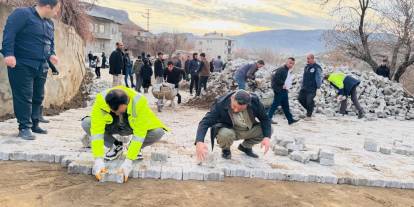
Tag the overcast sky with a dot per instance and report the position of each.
(228, 16)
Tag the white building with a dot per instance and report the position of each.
(215, 44)
(106, 34)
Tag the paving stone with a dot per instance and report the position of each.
(286, 141)
(213, 175)
(260, 173)
(112, 177)
(403, 150)
(236, 171)
(300, 157)
(370, 145)
(385, 150)
(314, 154)
(66, 160)
(40, 157)
(159, 156)
(281, 151)
(193, 173)
(326, 162)
(78, 167)
(4, 156)
(175, 173)
(152, 172)
(326, 154)
(17, 156)
(295, 147)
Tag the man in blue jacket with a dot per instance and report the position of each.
(311, 82)
(28, 44)
(247, 72)
(194, 69)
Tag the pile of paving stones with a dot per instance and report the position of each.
(397, 147)
(296, 150)
(380, 97)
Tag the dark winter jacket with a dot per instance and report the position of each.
(174, 76)
(220, 113)
(194, 67)
(103, 61)
(247, 71)
(128, 65)
(279, 78)
(116, 62)
(383, 71)
(146, 71)
(159, 68)
(312, 77)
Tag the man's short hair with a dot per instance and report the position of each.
(159, 54)
(242, 97)
(51, 3)
(203, 54)
(195, 54)
(261, 62)
(219, 57)
(115, 98)
(170, 63)
(292, 59)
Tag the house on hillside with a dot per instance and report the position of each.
(215, 44)
(106, 33)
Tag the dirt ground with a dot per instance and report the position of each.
(42, 184)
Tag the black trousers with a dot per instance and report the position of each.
(202, 84)
(281, 99)
(98, 72)
(194, 82)
(354, 98)
(306, 99)
(28, 89)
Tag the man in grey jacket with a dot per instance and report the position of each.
(247, 72)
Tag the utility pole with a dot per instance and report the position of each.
(147, 16)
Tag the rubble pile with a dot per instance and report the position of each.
(379, 97)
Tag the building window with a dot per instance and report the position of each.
(96, 28)
(102, 28)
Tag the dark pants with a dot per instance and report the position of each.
(281, 99)
(28, 88)
(152, 137)
(194, 82)
(354, 98)
(98, 72)
(202, 84)
(128, 73)
(139, 81)
(306, 100)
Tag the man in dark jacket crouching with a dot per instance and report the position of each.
(231, 118)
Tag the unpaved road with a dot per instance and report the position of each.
(42, 184)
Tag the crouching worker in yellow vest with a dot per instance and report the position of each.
(122, 111)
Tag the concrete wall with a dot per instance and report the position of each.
(60, 89)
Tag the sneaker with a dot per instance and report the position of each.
(249, 152)
(86, 141)
(140, 156)
(26, 134)
(293, 121)
(36, 129)
(114, 152)
(226, 154)
(361, 115)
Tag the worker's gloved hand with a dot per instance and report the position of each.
(340, 98)
(99, 168)
(125, 169)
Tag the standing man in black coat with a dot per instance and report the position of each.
(383, 69)
(159, 68)
(281, 83)
(194, 69)
(311, 82)
(117, 64)
(233, 117)
(28, 45)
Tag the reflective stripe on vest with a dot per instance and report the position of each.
(97, 137)
(134, 103)
(138, 139)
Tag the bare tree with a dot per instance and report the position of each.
(168, 43)
(369, 28)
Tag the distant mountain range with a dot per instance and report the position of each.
(294, 42)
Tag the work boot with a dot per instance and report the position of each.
(145, 90)
(36, 129)
(293, 121)
(114, 152)
(226, 154)
(361, 115)
(179, 100)
(249, 152)
(41, 118)
(26, 134)
(140, 156)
